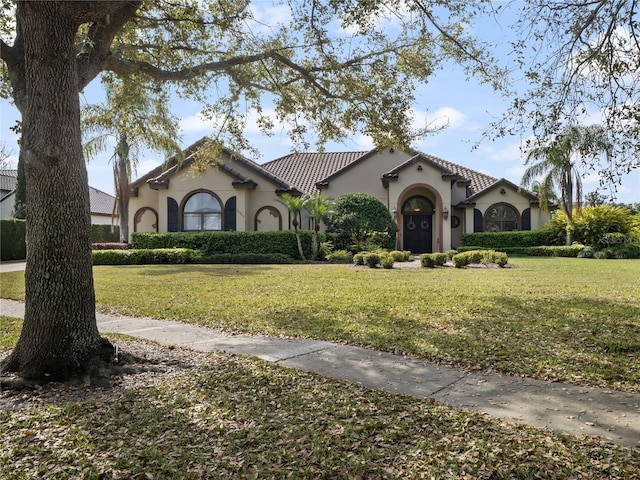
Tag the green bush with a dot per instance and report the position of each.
(213, 243)
(358, 258)
(372, 259)
(248, 258)
(105, 233)
(592, 225)
(622, 252)
(387, 261)
(340, 256)
(450, 254)
(430, 260)
(502, 240)
(365, 217)
(398, 256)
(408, 256)
(427, 261)
(554, 251)
(12, 240)
(145, 256)
(480, 256)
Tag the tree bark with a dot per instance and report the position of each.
(59, 338)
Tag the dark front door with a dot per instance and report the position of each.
(417, 234)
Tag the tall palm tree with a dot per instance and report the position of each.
(135, 121)
(556, 162)
(295, 204)
(318, 207)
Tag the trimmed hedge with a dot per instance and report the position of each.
(12, 240)
(430, 260)
(145, 256)
(101, 233)
(502, 240)
(215, 243)
(480, 256)
(248, 258)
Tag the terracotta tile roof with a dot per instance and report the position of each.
(304, 170)
(477, 181)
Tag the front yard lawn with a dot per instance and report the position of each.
(575, 320)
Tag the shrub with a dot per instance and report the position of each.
(12, 240)
(361, 215)
(340, 256)
(358, 258)
(624, 251)
(593, 224)
(427, 261)
(248, 258)
(554, 251)
(408, 256)
(480, 256)
(397, 255)
(387, 261)
(110, 246)
(372, 259)
(450, 254)
(430, 260)
(145, 256)
(213, 243)
(502, 240)
(104, 233)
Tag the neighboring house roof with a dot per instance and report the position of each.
(159, 176)
(7, 182)
(101, 202)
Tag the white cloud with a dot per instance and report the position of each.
(445, 117)
(195, 123)
(507, 153)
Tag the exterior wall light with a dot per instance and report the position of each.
(445, 213)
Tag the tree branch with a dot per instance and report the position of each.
(97, 49)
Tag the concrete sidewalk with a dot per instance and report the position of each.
(612, 415)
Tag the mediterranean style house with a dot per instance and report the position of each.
(432, 200)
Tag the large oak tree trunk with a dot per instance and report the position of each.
(60, 337)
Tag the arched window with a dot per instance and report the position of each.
(501, 217)
(202, 213)
(417, 205)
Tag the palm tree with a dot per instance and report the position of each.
(135, 121)
(556, 163)
(318, 207)
(295, 204)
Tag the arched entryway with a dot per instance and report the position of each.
(417, 221)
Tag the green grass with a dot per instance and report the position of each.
(575, 320)
(238, 417)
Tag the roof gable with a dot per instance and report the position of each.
(159, 176)
(502, 183)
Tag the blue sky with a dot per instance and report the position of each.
(449, 98)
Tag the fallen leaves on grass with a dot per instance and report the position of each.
(222, 416)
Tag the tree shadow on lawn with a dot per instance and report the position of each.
(222, 270)
(578, 340)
